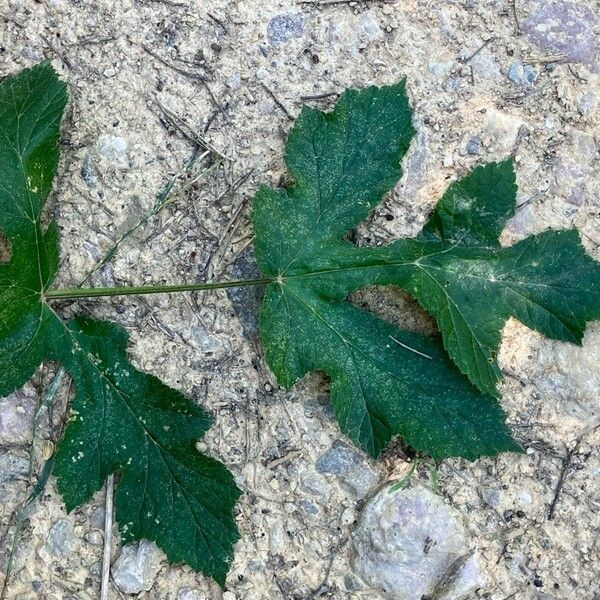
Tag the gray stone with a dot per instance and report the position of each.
(569, 378)
(461, 581)
(350, 466)
(356, 32)
(136, 209)
(189, 594)
(234, 81)
(16, 412)
(415, 164)
(452, 84)
(524, 75)
(491, 496)
(203, 339)
(97, 519)
(309, 506)
(573, 167)
(94, 537)
(314, 483)
(501, 129)
(564, 28)
(113, 149)
(485, 66)
(277, 536)
(440, 69)
(262, 74)
(87, 172)
(255, 566)
(32, 54)
(351, 583)
(136, 568)
(110, 71)
(409, 545)
(12, 468)
(523, 221)
(368, 27)
(587, 103)
(246, 300)
(61, 538)
(474, 145)
(283, 28)
(339, 459)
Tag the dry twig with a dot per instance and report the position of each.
(108, 524)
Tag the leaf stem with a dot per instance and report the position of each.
(150, 289)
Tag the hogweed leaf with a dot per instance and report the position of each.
(31, 107)
(129, 422)
(474, 210)
(385, 381)
(342, 163)
(121, 420)
(458, 271)
(546, 281)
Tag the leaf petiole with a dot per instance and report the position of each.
(68, 293)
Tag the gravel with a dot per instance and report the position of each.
(474, 145)
(350, 466)
(566, 28)
(409, 544)
(61, 538)
(458, 84)
(16, 412)
(136, 568)
(282, 28)
(524, 75)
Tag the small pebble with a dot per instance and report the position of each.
(523, 75)
(94, 537)
(97, 519)
(136, 568)
(189, 594)
(283, 28)
(474, 145)
(348, 516)
(61, 538)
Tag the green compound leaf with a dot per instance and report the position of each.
(122, 420)
(385, 381)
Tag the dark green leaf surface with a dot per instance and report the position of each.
(385, 381)
(459, 273)
(122, 421)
